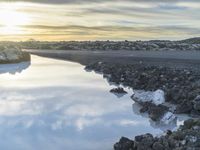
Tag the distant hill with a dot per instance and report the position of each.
(195, 40)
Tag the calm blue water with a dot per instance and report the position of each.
(56, 105)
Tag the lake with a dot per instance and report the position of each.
(56, 105)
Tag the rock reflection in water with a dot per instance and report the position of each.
(14, 68)
(159, 125)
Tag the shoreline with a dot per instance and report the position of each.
(178, 82)
(172, 59)
(12, 56)
(179, 76)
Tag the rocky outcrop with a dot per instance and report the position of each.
(153, 104)
(180, 86)
(195, 40)
(13, 55)
(118, 90)
(157, 97)
(187, 137)
(196, 103)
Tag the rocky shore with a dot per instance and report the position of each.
(152, 45)
(187, 137)
(154, 88)
(180, 86)
(121, 45)
(13, 55)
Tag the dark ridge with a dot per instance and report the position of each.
(195, 40)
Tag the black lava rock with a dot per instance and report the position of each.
(118, 90)
(181, 86)
(187, 137)
(124, 144)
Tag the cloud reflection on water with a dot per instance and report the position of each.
(54, 104)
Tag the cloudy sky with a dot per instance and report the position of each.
(99, 19)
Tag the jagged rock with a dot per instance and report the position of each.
(157, 112)
(124, 144)
(196, 103)
(156, 97)
(144, 141)
(184, 107)
(179, 84)
(158, 146)
(188, 124)
(118, 90)
(187, 137)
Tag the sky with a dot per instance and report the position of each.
(58, 20)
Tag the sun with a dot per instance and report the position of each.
(11, 20)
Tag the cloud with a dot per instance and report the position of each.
(108, 32)
(107, 19)
(113, 28)
(96, 1)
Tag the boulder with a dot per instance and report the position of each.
(155, 112)
(158, 146)
(118, 90)
(124, 144)
(184, 107)
(196, 103)
(187, 137)
(13, 55)
(143, 142)
(156, 97)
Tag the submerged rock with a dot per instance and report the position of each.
(168, 118)
(152, 103)
(156, 112)
(160, 114)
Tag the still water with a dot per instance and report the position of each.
(56, 105)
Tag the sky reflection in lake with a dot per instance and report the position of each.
(56, 105)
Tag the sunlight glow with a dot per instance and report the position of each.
(11, 19)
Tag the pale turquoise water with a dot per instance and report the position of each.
(57, 105)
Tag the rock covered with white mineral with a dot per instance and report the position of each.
(157, 97)
(13, 55)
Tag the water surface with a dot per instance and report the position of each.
(57, 105)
